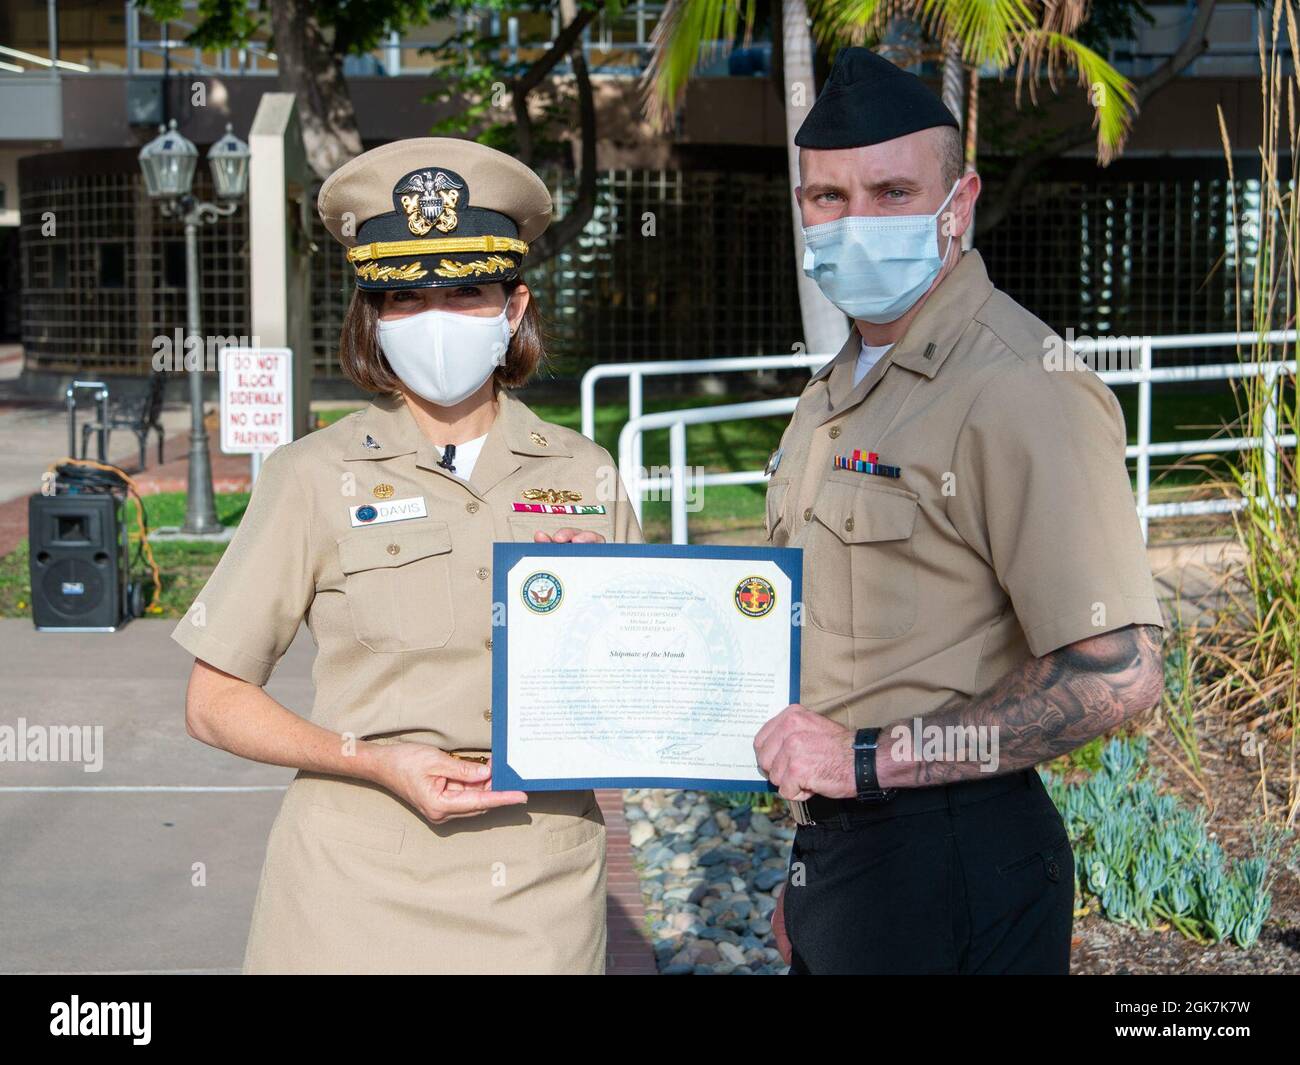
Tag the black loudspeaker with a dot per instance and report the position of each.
(79, 562)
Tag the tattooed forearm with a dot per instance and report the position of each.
(1047, 707)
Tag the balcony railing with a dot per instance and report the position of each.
(612, 45)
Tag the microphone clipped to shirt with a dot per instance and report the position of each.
(447, 462)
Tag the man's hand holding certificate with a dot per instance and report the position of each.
(630, 665)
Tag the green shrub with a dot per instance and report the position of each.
(1148, 859)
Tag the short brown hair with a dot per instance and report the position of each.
(952, 156)
(363, 362)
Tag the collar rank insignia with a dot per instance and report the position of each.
(552, 495)
(774, 461)
(537, 439)
(429, 199)
(370, 443)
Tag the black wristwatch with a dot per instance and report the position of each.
(864, 767)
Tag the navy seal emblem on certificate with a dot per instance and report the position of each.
(542, 592)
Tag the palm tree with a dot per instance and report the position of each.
(691, 29)
(1033, 36)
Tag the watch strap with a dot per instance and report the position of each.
(865, 744)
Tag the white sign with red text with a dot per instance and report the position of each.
(256, 400)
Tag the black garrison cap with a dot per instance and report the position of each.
(867, 100)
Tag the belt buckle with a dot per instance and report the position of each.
(481, 759)
(799, 809)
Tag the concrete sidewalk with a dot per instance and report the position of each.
(98, 868)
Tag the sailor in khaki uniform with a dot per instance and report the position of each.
(977, 594)
(391, 852)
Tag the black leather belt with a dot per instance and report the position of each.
(841, 813)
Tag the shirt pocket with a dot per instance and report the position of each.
(398, 586)
(776, 492)
(859, 559)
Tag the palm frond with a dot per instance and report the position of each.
(839, 22)
(987, 30)
(687, 31)
(1109, 93)
(1064, 16)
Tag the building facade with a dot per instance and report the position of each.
(689, 252)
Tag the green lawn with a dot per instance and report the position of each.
(185, 566)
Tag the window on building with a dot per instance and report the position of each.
(174, 264)
(112, 265)
(59, 266)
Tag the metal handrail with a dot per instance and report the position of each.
(636, 372)
(678, 481)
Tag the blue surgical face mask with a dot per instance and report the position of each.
(875, 268)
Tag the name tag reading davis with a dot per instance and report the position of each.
(388, 510)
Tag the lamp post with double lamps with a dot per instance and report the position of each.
(167, 163)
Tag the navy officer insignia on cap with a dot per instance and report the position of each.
(428, 198)
(432, 212)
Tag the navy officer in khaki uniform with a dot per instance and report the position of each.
(977, 594)
(391, 852)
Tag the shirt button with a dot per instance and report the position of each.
(807, 514)
(848, 525)
(393, 549)
(487, 714)
(483, 572)
(472, 507)
(488, 643)
(835, 432)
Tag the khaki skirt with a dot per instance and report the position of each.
(355, 881)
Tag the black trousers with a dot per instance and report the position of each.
(980, 879)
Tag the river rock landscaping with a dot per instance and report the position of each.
(708, 878)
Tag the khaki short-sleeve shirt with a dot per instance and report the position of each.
(401, 610)
(1010, 530)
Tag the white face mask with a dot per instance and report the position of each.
(443, 356)
(874, 268)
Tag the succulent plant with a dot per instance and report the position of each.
(1148, 859)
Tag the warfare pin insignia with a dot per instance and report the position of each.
(552, 495)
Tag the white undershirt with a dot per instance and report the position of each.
(466, 456)
(867, 358)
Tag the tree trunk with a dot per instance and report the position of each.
(575, 221)
(311, 68)
(954, 99)
(824, 325)
(953, 78)
(972, 147)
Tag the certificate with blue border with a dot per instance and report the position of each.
(639, 665)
